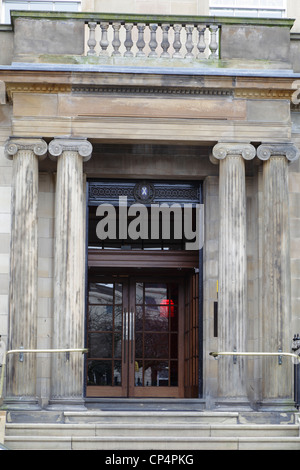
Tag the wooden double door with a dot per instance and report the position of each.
(135, 336)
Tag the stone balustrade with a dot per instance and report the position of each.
(153, 40)
(92, 38)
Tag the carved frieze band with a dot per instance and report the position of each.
(151, 90)
(223, 149)
(37, 146)
(82, 146)
(288, 150)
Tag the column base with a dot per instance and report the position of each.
(233, 404)
(66, 404)
(20, 404)
(277, 405)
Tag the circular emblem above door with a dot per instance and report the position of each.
(144, 192)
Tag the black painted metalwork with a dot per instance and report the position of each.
(109, 191)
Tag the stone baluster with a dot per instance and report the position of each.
(140, 42)
(232, 269)
(116, 43)
(153, 42)
(104, 43)
(128, 40)
(213, 45)
(201, 42)
(276, 276)
(69, 270)
(21, 375)
(165, 41)
(177, 42)
(91, 41)
(189, 40)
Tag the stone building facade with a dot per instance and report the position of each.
(93, 109)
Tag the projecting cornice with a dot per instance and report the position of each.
(12, 88)
(262, 93)
(121, 84)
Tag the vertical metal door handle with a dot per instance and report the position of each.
(128, 333)
(125, 332)
(131, 334)
(130, 321)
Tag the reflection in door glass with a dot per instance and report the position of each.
(139, 293)
(118, 294)
(156, 335)
(154, 320)
(156, 345)
(100, 317)
(156, 374)
(100, 345)
(101, 293)
(102, 373)
(155, 293)
(105, 333)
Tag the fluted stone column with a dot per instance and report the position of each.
(23, 291)
(232, 270)
(69, 270)
(276, 275)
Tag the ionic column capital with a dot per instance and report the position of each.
(268, 150)
(222, 149)
(15, 144)
(59, 145)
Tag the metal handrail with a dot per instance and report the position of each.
(278, 354)
(21, 351)
(235, 353)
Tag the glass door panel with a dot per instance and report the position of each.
(156, 340)
(134, 338)
(106, 373)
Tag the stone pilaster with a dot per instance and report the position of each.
(276, 276)
(69, 270)
(21, 375)
(232, 270)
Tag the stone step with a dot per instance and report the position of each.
(137, 417)
(149, 443)
(148, 430)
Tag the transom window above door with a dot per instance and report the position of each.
(144, 215)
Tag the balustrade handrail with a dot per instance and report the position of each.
(153, 18)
